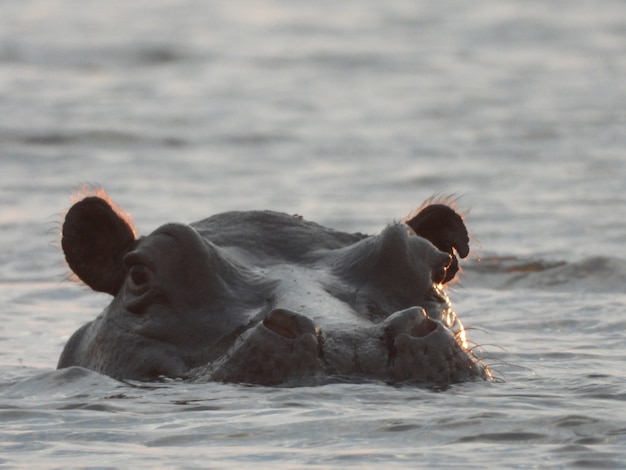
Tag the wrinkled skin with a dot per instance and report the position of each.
(266, 298)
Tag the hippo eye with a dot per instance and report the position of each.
(139, 275)
(439, 273)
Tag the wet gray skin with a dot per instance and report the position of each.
(267, 298)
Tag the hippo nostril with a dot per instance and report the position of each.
(288, 324)
(283, 327)
(423, 328)
(282, 323)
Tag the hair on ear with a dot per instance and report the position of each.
(96, 235)
(91, 190)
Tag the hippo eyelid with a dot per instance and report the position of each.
(136, 259)
(441, 259)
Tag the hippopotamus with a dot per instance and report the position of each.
(268, 298)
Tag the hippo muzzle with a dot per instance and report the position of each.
(267, 298)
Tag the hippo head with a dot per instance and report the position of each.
(268, 298)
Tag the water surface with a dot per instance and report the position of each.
(350, 114)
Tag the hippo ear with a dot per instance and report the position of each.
(95, 240)
(444, 228)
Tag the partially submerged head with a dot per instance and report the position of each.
(264, 297)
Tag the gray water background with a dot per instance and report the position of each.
(351, 114)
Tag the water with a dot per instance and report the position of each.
(350, 114)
